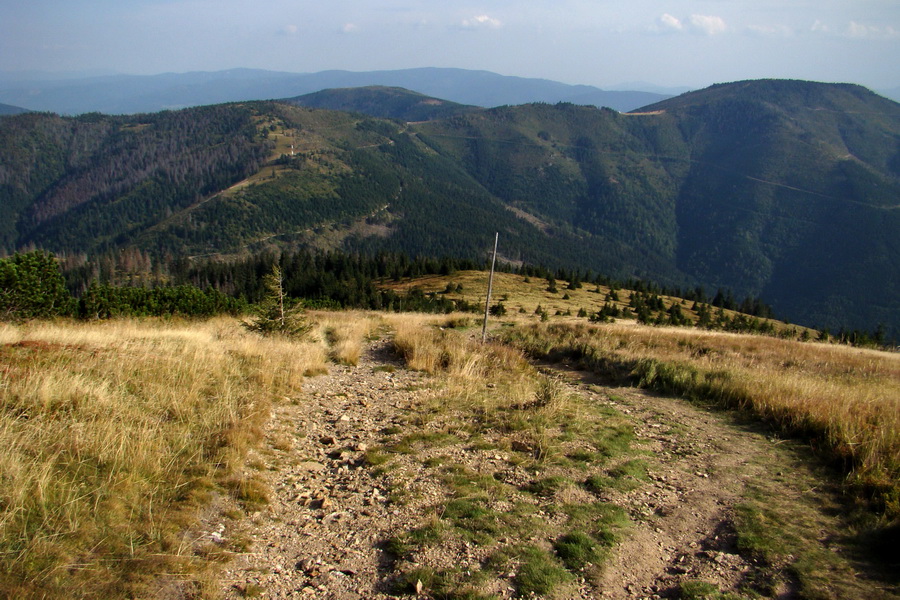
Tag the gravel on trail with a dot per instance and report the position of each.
(322, 534)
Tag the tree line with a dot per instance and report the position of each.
(36, 285)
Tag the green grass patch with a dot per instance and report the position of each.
(463, 481)
(447, 584)
(540, 573)
(584, 458)
(548, 486)
(631, 472)
(625, 477)
(408, 541)
(415, 442)
(376, 458)
(577, 550)
(472, 515)
(603, 521)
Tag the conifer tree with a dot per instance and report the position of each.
(32, 287)
(276, 313)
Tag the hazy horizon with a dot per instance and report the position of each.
(690, 43)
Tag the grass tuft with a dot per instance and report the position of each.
(578, 550)
(539, 573)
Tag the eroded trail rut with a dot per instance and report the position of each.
(323, 533)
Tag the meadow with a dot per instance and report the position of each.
(117, 436)
(845, 400)
(120, 437)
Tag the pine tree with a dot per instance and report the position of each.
(275, 313)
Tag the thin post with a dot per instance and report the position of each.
(487, 302)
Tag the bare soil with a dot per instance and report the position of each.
(323, 533)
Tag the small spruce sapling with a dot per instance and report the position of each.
(276, 314)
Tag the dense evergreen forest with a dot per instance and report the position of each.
(780, 190)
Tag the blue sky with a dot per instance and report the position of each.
(597, 42)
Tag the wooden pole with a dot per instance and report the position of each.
(487, 302)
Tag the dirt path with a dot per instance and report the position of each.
(685, 515)
(323, 533)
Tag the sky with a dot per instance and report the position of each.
(605, 43)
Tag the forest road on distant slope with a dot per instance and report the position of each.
(323, 533)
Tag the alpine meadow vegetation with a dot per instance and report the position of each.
(117, 435)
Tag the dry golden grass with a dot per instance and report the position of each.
(345, 333)
(432, 343)
(522, 296)
(847, 397)
(490, 382)
(114, 435)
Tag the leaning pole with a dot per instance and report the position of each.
(487, 302)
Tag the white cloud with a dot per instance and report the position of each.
(290, 30)
(696, 24)
(820, 27)
(668, 22)
(350, 28)
(857, 30)
(708, 24)
(860, 30)
(482, 21)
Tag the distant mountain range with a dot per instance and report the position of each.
(787, 190)
(130, 94)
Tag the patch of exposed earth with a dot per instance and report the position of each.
(323, 533)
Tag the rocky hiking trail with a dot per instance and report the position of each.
(331, 511)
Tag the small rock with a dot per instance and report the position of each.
(327, 440)
(310, 466)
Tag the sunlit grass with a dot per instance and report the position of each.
(488, 398)
(345, 333)
(848, 398)
(114, 434)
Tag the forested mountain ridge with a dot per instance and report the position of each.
(795, 194)
(380, 101)
(779, 189)
(783, 189)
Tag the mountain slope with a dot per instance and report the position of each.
(385, 102)
(129, 94)
(788, 190)
(794, 194)
(784, 190)
(6, 109)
